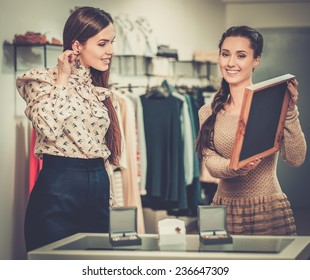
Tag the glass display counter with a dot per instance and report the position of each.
(97, 246)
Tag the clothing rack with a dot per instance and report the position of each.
(130, 87)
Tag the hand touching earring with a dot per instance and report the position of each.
(66, 61)
(77, 62)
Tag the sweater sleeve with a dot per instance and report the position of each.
(48, 105)
(217, 165)
(293, 147)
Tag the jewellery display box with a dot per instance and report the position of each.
(123, 226)
(172, 234)
(212, 225)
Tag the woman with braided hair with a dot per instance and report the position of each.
(252, 194)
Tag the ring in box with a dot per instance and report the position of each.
(212, 225)
(123, 226)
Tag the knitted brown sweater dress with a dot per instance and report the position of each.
(255, 202)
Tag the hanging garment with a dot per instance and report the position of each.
(151, 41)
(35, 164)
(141, 152)
(132, 40)
(165, 183)
(131, 193)
(118, 187)
(187, 140)
(191, 162)
(194, 190)
(186, 129)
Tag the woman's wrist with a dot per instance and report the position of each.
(62, 80)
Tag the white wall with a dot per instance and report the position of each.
(268, 15)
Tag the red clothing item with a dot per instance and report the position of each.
(35, 164)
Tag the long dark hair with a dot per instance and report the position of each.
(205, 138)
(82, 24)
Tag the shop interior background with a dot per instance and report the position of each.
(181, 24)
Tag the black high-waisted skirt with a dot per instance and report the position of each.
(71, 195)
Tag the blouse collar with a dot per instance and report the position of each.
(81, 75)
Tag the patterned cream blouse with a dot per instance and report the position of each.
(71, 120)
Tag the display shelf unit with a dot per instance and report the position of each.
(27, 56)
(127, 65)
(45, 47)
(198, 69)
(130, 65)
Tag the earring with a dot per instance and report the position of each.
(77, 62)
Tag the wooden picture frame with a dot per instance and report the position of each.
(261, 122)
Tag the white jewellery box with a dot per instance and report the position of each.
(171, 232)
(123, 226)
(212, 225)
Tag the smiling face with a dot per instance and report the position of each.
(98, 50)
(237, 61)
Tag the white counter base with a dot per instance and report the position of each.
(95, 246)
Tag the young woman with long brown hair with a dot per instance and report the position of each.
(252, 194)
(77, 132)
